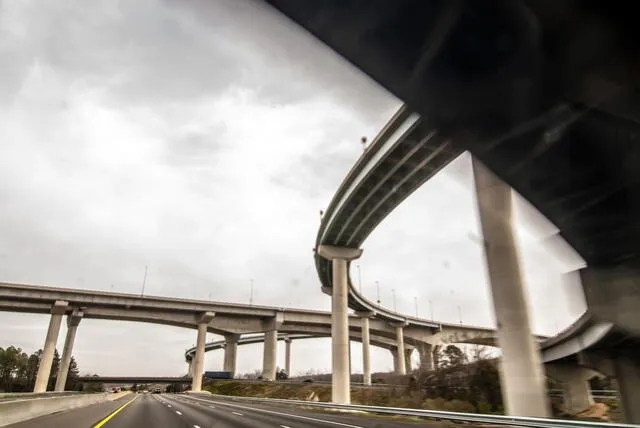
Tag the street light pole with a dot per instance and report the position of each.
(144, 281)
(460, 314)
(359, 278)
(378, 291)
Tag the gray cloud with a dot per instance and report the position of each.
(201, 139)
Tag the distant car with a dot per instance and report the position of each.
(157, 391)
(308, 381)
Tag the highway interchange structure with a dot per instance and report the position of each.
(558, 129)
(227, 319)
(384, 176)
(541, 110)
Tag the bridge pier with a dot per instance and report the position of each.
(522, 375)
(270, 355)
(626, 365)
(73, 320)
(576, 391)
(425, 351)
(287, 355)
(366, 347)
(44, 369)
(230, 352)
(400, 361)
(407, 360)
(340, 372)
(396, 365)
(198, 363)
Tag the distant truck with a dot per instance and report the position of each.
(218, 375)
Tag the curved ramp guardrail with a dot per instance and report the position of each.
(404, 155)
(246, 340)
(432, 414)
(259, 338)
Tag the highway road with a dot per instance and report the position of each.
(183, 411)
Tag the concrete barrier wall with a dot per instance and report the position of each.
(23, 409)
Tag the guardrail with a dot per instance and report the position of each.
(433, 414)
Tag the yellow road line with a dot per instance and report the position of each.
(108, 418)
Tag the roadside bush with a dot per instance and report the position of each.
(434, 403)
(459, 406)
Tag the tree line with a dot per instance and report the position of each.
(18, 370)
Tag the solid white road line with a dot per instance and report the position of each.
(284, 426)
(306, 418)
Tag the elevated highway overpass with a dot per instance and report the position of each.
(556, 125)
(230, 320)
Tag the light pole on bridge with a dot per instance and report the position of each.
(144, 281)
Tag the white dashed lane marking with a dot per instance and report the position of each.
(178, 413)
(236, 413)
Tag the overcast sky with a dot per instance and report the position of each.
(201, 138)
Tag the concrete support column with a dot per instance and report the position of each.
(340, 373)
(366, 347)
(341, 377)
(230, 352)
(407, 359)
(425, 351)
(401, 367)
(287, 355)
(575, 385)
(44, 369)
(198, 360)
(522, 374)
(627, 369)
(577, 395)
(396, 361)
(270, 355)
(73, 320)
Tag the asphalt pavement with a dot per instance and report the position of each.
(186, 411)
(83, 417)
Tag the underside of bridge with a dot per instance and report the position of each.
(544, 93)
